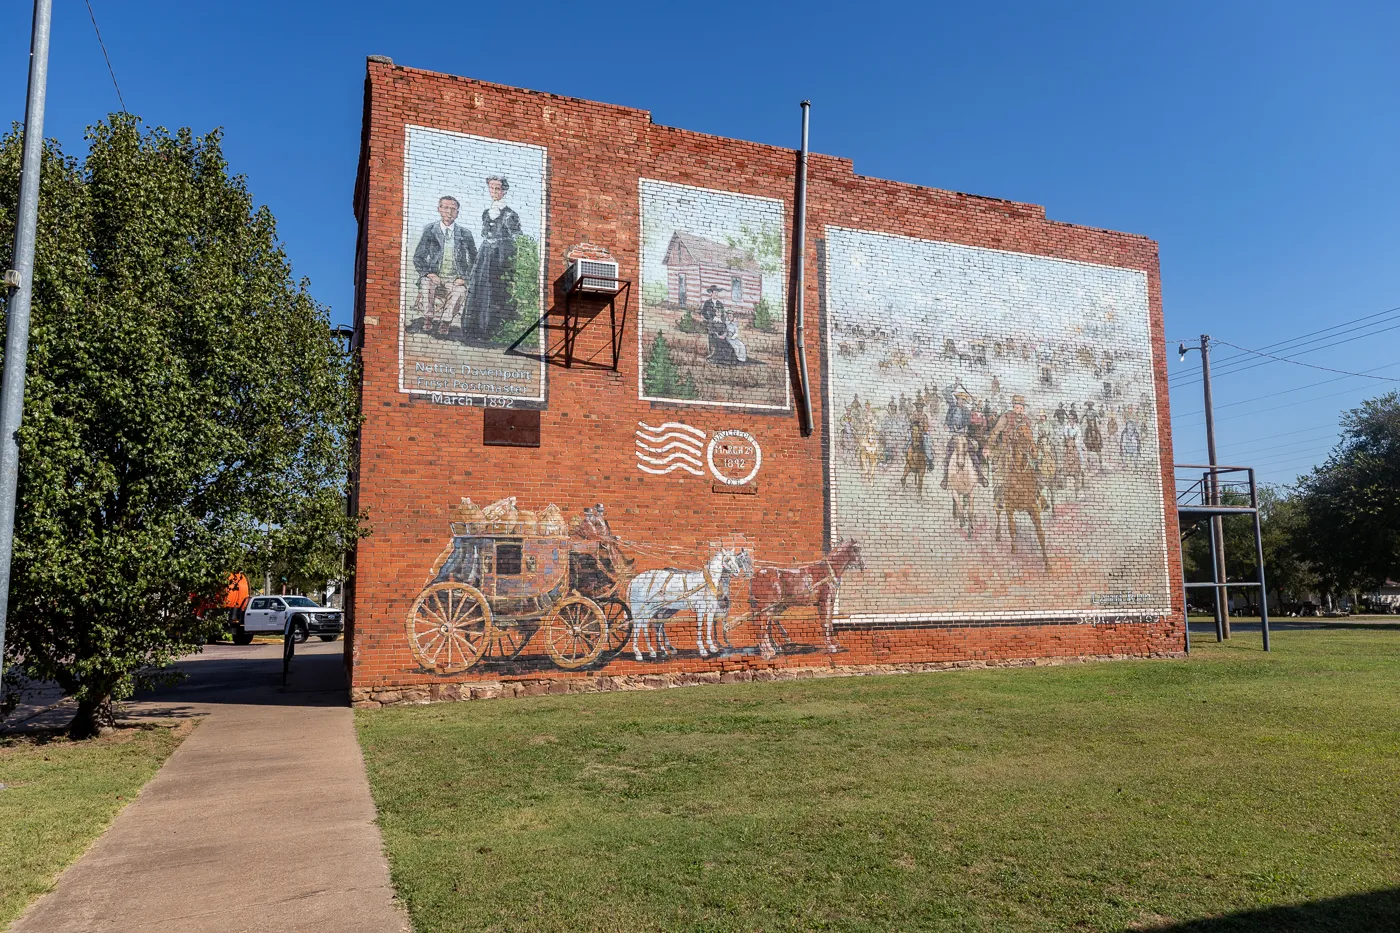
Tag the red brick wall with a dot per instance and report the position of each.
(418, 458)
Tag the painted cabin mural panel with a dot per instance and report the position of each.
(993, 442)
(712, 327)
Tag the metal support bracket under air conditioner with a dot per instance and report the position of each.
(583, 303)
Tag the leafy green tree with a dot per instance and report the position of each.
(1351, 503)
(1287, 569)
(188, 411)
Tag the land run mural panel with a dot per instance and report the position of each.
(712, 326)
(471, 269)
(993, 440)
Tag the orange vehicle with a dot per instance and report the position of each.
(231, 607)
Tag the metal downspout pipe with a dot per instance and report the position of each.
(799, 262)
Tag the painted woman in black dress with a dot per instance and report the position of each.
(488, 297)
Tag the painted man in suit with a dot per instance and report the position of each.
(444, 259)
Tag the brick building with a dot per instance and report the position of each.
(988, 480)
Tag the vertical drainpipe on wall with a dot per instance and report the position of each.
(799, 261)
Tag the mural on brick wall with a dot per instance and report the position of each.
(474, 214)
(992, 433)
(517, 590)
(712, 328)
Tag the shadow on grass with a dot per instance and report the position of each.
(1371, 912)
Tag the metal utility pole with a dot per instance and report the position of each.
(1217, 528)
(19, 281)
(1217, 524)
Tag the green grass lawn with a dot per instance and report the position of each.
(1118, 796)
(59, 796)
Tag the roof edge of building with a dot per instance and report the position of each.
(1006, 206)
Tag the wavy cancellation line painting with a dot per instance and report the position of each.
(989, 413)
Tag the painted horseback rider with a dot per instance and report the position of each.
(1014, 439)
(958, 421)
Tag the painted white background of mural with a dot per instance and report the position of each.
(910, 322)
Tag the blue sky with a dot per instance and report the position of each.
(1256, 142)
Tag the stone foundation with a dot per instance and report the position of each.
(375, 698)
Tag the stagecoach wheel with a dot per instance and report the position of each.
(449, 627)
(507, 640)
(619, 616)
(575, 632)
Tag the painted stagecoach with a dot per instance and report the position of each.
(510, 578)
(503, 582)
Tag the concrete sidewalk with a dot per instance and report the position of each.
(261, 821)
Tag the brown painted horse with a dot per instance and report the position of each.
(776, 589)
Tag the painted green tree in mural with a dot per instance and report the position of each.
(662, 377)
(763, 315)
(688, 324)
(763, 246)
(523, 286)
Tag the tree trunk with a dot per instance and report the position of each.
(92, 717)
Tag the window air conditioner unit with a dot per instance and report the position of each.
(592, 275)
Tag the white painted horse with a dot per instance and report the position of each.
(656, 595)
(962, 480)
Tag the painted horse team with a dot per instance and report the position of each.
(657, 595)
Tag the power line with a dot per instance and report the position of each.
(92, 16)
(1326, 332)
(1297, 456)
(1315, 427)
(1240, 367)
(1279, 456)
(1285, 359)
(1301, 340)
(1254, 451)
(1310, 385)
(1269, 357)
(1252, 364)
(1257, 411)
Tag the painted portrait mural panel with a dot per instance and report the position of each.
(712, 326)
(992, 433)
(474, 212)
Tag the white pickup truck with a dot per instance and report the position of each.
(268, 615)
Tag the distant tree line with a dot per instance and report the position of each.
(1336, 532)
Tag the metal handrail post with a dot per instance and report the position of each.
(1215, 579)
(1259, 557)
(1186, 617)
